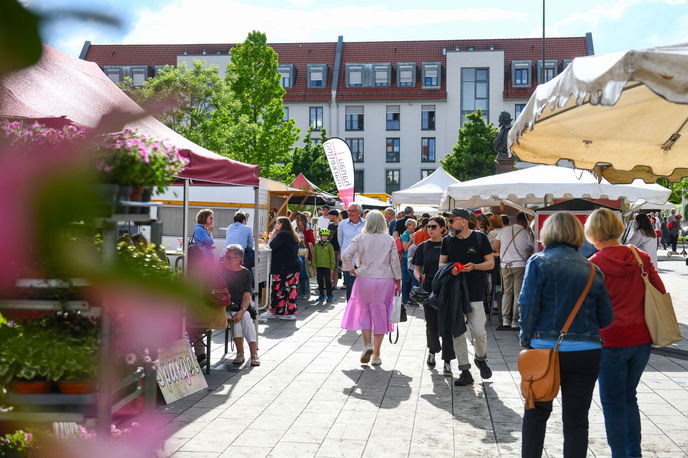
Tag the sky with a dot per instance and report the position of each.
(616, 25)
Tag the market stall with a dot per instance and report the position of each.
(428, 191)
(543, 185)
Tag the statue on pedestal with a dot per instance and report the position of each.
(505, 163)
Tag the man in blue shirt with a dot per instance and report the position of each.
(240, 233)
(346, 231)
(390, 218)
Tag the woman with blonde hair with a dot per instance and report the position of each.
(627, 341)
(378, 276)
(553, 282)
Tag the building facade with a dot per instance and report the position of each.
(398, 104)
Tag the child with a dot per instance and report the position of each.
(324, 261)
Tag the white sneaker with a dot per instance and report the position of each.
(367, 352)
(287, 317)
(375, 361)
(267, 315)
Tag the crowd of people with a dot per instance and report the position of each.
(465, 266)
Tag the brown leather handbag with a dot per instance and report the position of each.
(539, 367)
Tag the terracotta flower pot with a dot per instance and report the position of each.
(29, 387)
(85, 387)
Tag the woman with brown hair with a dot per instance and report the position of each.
(644, 236)
(202, 235)
(285, 270)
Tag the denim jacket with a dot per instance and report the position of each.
(554, 279)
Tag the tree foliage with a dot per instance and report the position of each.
(472, 155)
(256, 130)
(186, 100)
(310, 160)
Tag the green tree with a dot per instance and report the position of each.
(472, 155)
(310, 160)
(185, 100)
(256, 130)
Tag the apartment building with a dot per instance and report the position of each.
(398, 104)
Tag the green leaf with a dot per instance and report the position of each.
(20, 41)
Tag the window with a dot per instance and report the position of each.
(382, 74)
(286, 114)
(406, 74)
(431, 74)
(353, 118)
(475, 92)
(139, 75)
(157, 70)
(356, 147)
(368, 75)
(427, 149)
(358, 181)
(424, 173)
(518, 109)
(427, 117)
(286, 72)
(317, 75)
(520, 73)
(315, 117)
(392, 180)
(393, 117)
(393, 148)
(114, 73)
(550, 70)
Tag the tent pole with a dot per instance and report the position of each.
(185, 223)
(256, 229)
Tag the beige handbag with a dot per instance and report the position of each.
(659, 311)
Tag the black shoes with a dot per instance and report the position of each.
(464, 379)
(431, 360)
(485, 371)
(447, 369)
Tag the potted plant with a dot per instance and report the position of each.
(138, 163)
(18, 443)
(26, 358)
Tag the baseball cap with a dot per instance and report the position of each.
(458, 212)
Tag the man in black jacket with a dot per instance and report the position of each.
(473, 250)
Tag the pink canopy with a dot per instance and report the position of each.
(301, 182)
(61, 86)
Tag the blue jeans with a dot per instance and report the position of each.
(620, 371)
(406, 281)
(303, 289)
(349, 283)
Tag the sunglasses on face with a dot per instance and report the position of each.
(432, 226)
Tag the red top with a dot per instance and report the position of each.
(309, 241)
(627, 292)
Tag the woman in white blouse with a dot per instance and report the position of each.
(644, 236)
(378, 273)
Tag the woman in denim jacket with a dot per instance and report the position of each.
(554, 279)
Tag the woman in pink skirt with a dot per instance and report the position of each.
(372, 258)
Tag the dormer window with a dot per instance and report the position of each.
(431, 74)
(317, 75)
(354, 75)
(286, 72)
(549, 72)
(520, 73)
(113, 72)
(406, 74)
(368, 75)
(382, 74)
(139, 75)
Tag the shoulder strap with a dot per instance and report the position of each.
(637, 258)
(578, 305)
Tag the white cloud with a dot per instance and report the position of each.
(231, 20)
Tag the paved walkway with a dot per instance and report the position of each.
(312, 397)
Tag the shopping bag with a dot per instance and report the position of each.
(396, 310)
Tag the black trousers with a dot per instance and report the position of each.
(433, 338)
(324, 280)
(579, 370)
(673, 239)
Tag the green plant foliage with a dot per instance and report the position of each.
(16, 444)
(310, 160)
(20, 41)
(256, 130)
(472, 155)
(678, 189)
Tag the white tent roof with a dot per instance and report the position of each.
(651, 206)
(428, 191)
(535, 184)
(370, 202)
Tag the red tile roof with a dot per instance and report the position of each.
(301, 54)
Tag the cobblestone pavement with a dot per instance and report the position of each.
(312, 397)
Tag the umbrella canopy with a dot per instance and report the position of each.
(369, 202)
(60, 86)
(639, 131)
(428, 191)
(540, 184)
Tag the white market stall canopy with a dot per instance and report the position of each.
(544, 183)
(650, 206)
(428, 191)
(369, 202)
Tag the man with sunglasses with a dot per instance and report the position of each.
(472, 249)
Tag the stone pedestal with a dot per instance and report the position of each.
(505, 164)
